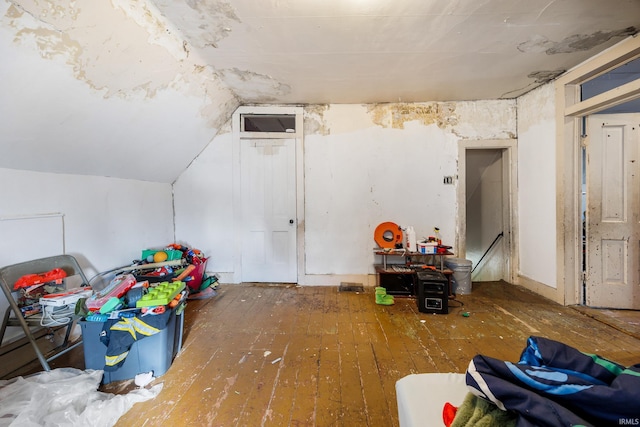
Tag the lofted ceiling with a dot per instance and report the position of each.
(110, 88)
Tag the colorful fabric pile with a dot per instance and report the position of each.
(555, 385)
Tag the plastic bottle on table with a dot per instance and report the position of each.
(411, 241)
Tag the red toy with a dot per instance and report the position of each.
(56, 275)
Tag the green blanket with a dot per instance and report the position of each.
(477, 412)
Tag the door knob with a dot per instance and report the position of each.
(290, 221)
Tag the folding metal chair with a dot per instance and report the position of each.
(8, 277)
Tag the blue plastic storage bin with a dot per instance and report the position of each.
(154, 353)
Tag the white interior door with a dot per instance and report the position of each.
(612, 216)
(268, 187)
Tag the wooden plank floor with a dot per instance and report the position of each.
(314, 356)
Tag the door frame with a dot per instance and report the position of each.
(298, 135)
(509, 149)
(569, 113)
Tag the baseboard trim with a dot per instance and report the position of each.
(554, 294)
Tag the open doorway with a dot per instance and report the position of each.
(485, 214)
(486, 206)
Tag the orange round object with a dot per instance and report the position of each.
(387, 235)
(160, 256)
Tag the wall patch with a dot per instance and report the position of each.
(396, 115)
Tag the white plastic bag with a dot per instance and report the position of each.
(65, 397)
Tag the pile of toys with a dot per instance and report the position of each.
(162, 279)
(126, 297)
(178, 262)
(173, 262)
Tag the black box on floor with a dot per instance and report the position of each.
(433, 292)
(397, 283)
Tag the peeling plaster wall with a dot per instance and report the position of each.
(107, 221)
(362, 174)
(111, 87)
(364, 164)
(537, 185)
(385, 162)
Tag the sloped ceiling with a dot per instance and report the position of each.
(136, 89)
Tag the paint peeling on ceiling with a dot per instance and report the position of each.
(144, 62)
(574, 43)
(113, 50)
(364, 50)
(209, 8)
(253, 87)
(88, 43)
(51, 43)
(204, 22)
(396, 115)
(159, 30)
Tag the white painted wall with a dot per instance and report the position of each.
(107, 221)
(203, 203)
(537, 185)
(363, 164)
(103, 222)
(357, 179)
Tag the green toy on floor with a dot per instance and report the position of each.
(382, 298)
